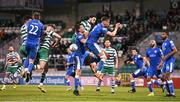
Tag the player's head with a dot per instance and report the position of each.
(92, 19)
(79, 28)
(36, 15)
(26, 19)
(105, 21)
(10, 49)
(152, 43)
(50, 27)
(134, 51)
(164, 35)
(73, 47)
(107, 43)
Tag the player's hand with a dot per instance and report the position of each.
(159, 67)
(119, 25)
(116, 66)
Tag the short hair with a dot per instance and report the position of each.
(36, 15)
(137, 50)
(52, 25)
(26, 18)
(105, 18)
(91, 16)
(77, 26)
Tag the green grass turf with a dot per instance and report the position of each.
(59, 93)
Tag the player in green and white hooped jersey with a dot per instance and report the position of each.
(12, 63)
(43, 52)
(22, 50)
(109, 65)
(87, 24)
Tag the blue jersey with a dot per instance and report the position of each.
(71, 59)
(98, 31)
(154, 55)
(167, 47)
(34, 29)
(138, 60)
(81, 47)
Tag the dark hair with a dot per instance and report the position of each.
(105, 18)
(36, 15)
(52, 25)
(77, 26)
(26, 18)
(137, 50)
(91, 16)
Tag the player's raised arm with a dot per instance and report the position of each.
(113, 33)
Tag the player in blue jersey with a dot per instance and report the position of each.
(154, 56)
(71, 65)
(100, 30)
(80, 41)
(34, 32)
(169, 50)
(140, 62)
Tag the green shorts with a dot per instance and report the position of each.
(12, 69)
(23, 52)
(108, 70)
(43, 54)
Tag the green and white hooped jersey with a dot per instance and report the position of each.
(87, 25)
(12, 56)
(113, 55)
(47, 40)
(24, 34)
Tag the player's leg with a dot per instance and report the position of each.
(170, 69)
(149, 82)
(5, 81)
(104, 70)
(77, 75)
(112, 77)
(67, 77)
(164, 80)
(132, 78)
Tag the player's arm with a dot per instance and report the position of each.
(116, 60)
(162, 58)
(174, 50)
(82, 39)
(147, 59)
(113, 33)
(18, 58)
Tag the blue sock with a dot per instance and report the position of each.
(133, 84)
(80, 83)
(171, 86)
(165, 86)
(100, 66)
(30, 67)
(68, 82)
(76, 83)
(150, 86)
(156, 83)
(26, 63)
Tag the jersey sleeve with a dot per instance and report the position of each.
(104, 31)
(160, 52)
(115, 53)
(171, 44)
(80, 37)
(147, 55)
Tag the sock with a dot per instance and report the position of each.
(5, 81)
(112, 85)
(18, 71)
(68, 82)
(171, 87)
(30, 67)
(43, 77)
(12, 78)
(166, 87)
(99, 84)
(133, 84)
(150, 86)
(76, 83)
(100, 66)
(26, 63)
(156, 82)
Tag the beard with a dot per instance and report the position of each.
(152, 45)
(164, 38)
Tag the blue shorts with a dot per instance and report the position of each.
(86, 54)
(168, 66)
(152, 71)
(94, 47)
(139, 73)
(79, 63)
(31, 50)
(70, 71)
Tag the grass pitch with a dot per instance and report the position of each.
(58, 93)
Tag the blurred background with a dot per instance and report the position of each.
(142, 19)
